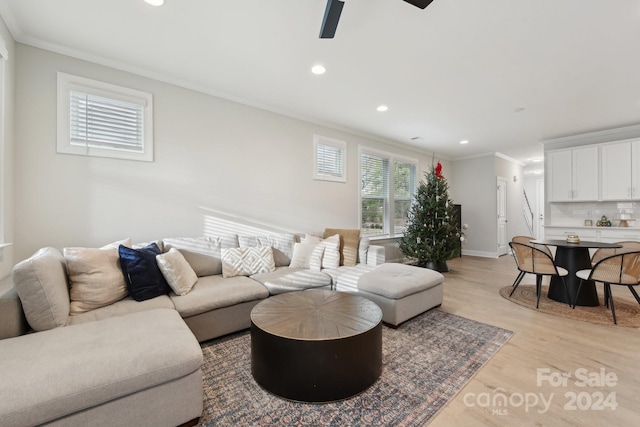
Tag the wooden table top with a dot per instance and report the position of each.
(316, 314)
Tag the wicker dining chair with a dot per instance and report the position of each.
(526, 240)
(533, 260)
(627, 246)
(619, 269)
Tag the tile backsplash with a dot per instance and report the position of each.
(575, 214)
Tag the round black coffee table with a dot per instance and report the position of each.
(316, 345)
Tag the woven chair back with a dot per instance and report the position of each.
(622, 269)
(527, 241)
(533, 260)
(602, 253)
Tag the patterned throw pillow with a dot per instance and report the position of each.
(247, 261)
(282, 245)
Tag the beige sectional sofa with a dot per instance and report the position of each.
(138, 362)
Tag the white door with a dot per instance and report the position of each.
(539, 221)
(502, 216)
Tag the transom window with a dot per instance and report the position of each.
(104, 120)
(387, 187)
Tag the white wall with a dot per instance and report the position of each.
(210, 155)
(6, 154)
(474, 186)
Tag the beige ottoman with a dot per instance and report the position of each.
(402, 291)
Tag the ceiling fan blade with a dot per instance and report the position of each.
(419, 3)
(331, 18)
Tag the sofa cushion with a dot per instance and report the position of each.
(141, 272)
(203, 253)
(95, 276)
(48, 375)
(395, 281)
(213, 292)
(41, 283)
(247, 261)
(349, 239)
(121, 308)
(175, 268)
(282, 245)
(287, 279)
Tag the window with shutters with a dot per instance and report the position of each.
(387, 187)
(330, 159)
(104, 120)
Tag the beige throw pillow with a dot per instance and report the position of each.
(95, 277)
(349, 240)
(175, 268)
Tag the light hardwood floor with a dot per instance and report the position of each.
(540, 341)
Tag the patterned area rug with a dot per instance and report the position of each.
(426, 362)
(627, 312)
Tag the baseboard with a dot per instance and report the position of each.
(482, 254)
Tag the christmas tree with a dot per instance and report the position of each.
(432, 235)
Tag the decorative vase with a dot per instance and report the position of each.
(440, 266)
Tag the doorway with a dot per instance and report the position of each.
(539, 222)
(502, 215)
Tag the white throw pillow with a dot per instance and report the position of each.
(95, 276)
(247, 261)
(331, 256)
(307, 255)
(175, 268)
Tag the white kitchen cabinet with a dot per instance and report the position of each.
(573, 174)
(620, 166)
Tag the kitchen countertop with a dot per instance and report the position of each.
(590, 227)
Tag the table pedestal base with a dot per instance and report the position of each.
(573, 260)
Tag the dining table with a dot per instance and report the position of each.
(574, 257)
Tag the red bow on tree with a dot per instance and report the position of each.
(439, 170)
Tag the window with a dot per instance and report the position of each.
(388, 185)
(330, 158)
(104, 120)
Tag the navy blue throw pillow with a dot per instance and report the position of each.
(144, 278)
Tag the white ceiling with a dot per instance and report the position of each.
(503, 74)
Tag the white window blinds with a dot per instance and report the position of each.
(330, 159)
(387, 187)
(98, 121)
(103, 120)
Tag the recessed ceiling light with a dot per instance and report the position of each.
(382, 108)
(536, 160)
(155, 2)
(318, 69)
(464, 141)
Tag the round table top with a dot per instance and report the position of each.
(316, 314)
(581, 244)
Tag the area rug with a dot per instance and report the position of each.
(426, 362)
(627, 312)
